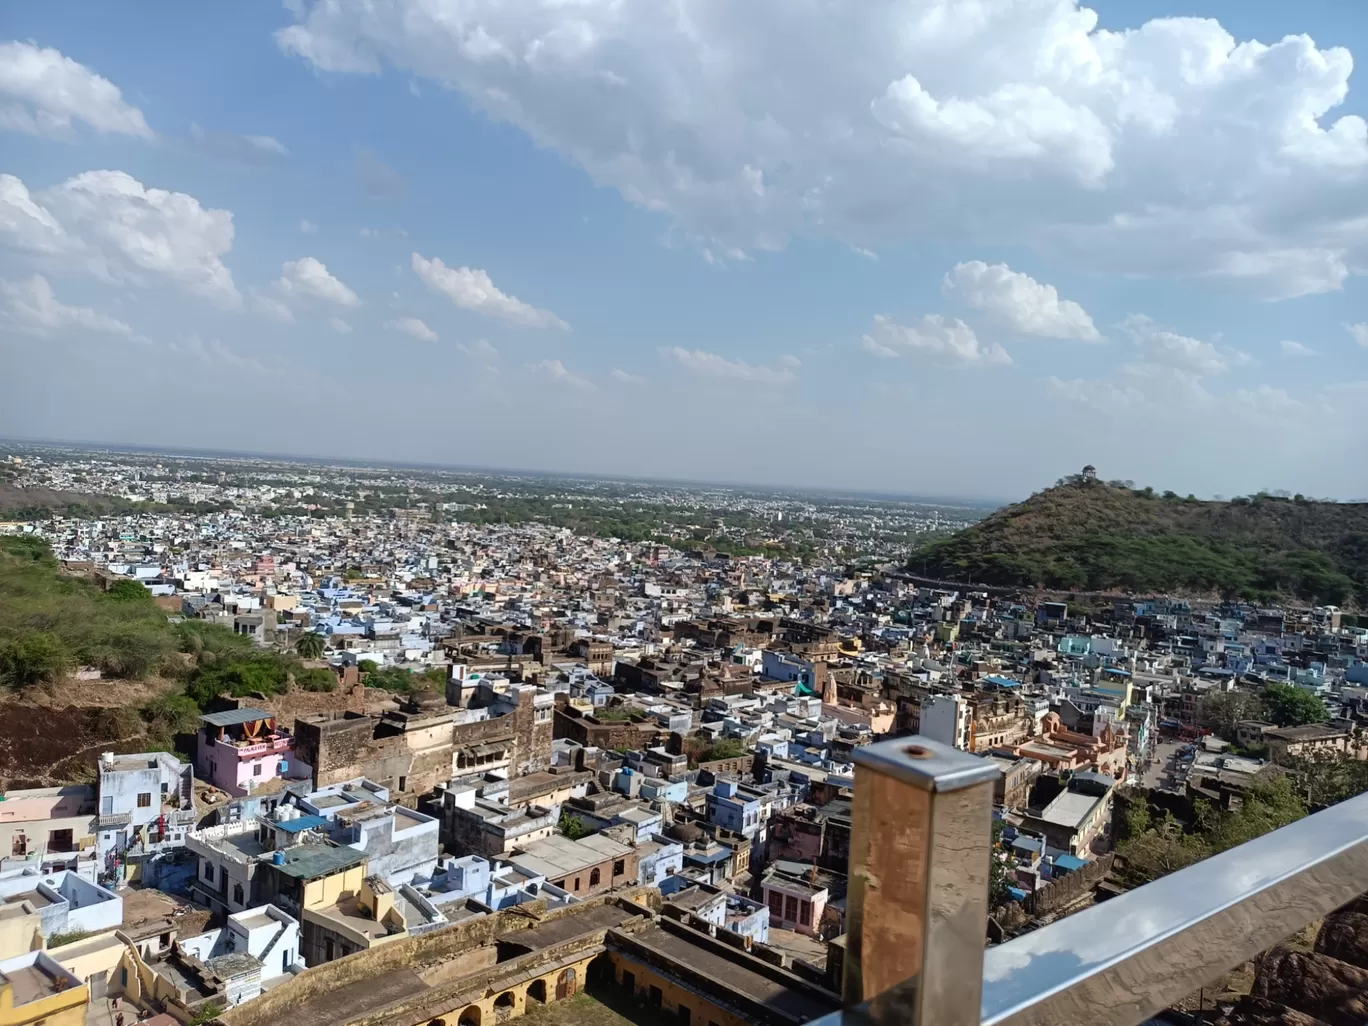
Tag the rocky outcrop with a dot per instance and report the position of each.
(1254, 1011)
(1317, 985)
(1345, 936)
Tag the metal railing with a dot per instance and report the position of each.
(917, 908)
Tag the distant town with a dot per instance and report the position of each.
(291, 741)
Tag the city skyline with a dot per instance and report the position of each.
(594, 242)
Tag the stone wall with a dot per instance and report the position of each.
(1067, 889)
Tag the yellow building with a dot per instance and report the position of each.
(20, 929)
(34, 989)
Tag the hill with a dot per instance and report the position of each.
(1085, 535)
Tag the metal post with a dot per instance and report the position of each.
(917, 904)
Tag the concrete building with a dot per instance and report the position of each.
(64, 902)
(266, 933)
(147, 804)
(946, 718)
(240, 749)
(49, 828)
(36, 991)
(585, 867)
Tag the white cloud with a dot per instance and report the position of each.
(115, 228)
(215, 355)
(309, 278)
(947, 340)
(624, 378)
(245, 149)
(558, 372)
(42, 92)
(1291, 348)
(711, 365)
(30, 306)
(471, 289)
(383, 233)
(308, 227)
(480, 350)
(1359, 332)
(339, 325)
(1018, 301)
(271, 307)
(412, 326)
(1181, 352)
(1165, 149)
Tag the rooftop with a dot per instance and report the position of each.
(310, 861)
(232, 717)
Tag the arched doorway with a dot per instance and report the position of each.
(600, 971)
(471, 1016)
(567, 983)
(537, 992)
(505, 1005)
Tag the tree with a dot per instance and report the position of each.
(572, 826)
(1289, 705)
(1225, 709)
(999, 893)
(368, 666)
(310, 645)
(1328, 778)
(128, 590)
(32, 659)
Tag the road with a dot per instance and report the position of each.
(1164, 752)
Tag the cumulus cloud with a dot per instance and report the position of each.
(1169, 148)
(559, 373)
(308, 227)
(115, 228)
(309, 278)
(412, 326)
(1018, 301)
(31, 307)
(1181, 352)
(472, 289)
(42, 92)
(1291, 348)
(1359, 332)
(947, 340)
(711, 365)
(622, 377)
(339, 325)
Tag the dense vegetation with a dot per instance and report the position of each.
(51, 623)
(1156, 847)
(1085, 535)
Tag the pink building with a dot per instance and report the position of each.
(241, 749)
(796, 902)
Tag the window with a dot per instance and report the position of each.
(237, 894)
(790, 908)
(209, 871)
(594, 877)
(805, 913)
(165, 787)
(145, 799)
(619, 867)
(577, 885)
(403, 783)
(776, 904)
(60, 840)
(256, 769)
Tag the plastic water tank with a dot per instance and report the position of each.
(278, 858)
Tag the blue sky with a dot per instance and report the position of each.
(925, 246)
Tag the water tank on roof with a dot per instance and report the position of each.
(278, 858)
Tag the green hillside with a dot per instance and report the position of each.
(1090, 536)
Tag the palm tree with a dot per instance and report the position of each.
(310, 645)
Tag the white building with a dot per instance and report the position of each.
(268, 934)
(945, 718)
(147, 805)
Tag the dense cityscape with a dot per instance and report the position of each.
(461, 714)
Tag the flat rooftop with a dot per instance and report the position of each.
(734, 973)
(232, 717)
(32, 897)
(309, 861)
(33, 983)
(568, 927)
(1069, 809)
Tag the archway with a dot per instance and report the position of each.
(505, 1005)
(601, 971)
(537, 992)
(566, 984)
(471, 1016)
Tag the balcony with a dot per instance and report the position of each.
(918, 908)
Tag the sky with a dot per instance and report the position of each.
(942, 247)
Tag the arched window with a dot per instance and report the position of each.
(593, 878)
